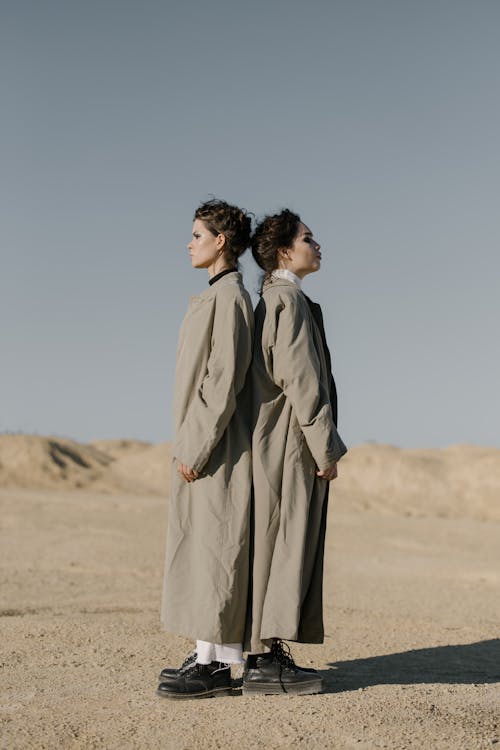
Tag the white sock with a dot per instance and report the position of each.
(227, 653)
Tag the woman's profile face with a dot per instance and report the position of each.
(304, 255)
(204, 248)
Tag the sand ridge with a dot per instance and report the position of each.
(108, 466)
(457, 482)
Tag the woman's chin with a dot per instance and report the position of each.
(315, 267)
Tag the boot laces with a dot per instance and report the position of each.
(188, 662)
(282, 654)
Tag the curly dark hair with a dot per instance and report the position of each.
(272, 233)
(233, 222)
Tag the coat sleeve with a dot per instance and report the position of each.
(296, 370)
(214, 402)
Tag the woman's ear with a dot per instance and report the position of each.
(220, 242)
(283, 257)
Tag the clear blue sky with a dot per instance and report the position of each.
(376, 120)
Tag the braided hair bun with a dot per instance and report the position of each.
(233, 222)
(271, 234)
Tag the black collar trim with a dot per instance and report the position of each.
(221, 274)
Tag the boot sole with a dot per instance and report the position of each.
(215, 693)
(305, 688)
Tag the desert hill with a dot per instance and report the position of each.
(457, 482)
(110, 466)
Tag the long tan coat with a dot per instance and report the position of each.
(294, 434)
(206, 566)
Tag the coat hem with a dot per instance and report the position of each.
(286, 635)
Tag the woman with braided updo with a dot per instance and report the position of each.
(295, 451)
(206, 566)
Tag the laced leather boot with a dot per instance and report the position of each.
(275, 672)
(170, 672)
(198, 681)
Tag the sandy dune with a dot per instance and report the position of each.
(412, 654)
(457, 482)
(110, 466)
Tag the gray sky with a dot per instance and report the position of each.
(376, 120)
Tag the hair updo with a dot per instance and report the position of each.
(272, 233)
(234, 223)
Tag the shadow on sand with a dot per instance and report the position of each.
(473, 663)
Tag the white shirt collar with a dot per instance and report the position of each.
(284, 273)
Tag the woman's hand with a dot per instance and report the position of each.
(329, 473)
(187, 473)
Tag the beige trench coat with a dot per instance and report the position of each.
(206, 565)
(294, 434)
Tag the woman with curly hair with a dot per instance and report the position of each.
(206, 566)
(295, 450)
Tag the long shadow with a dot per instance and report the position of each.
(473, 663)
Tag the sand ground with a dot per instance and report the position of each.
(411, 658)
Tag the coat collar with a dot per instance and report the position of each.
(229, 279)
(284, 273)
(274, 281)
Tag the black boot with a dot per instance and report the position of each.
(279, 647)
(199, 681)
(169, 672)
(276, 672)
